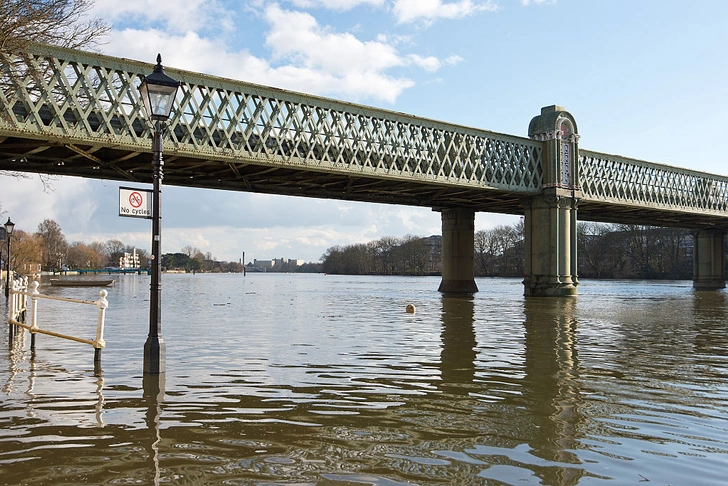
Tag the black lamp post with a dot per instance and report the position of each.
(9, 226)
(158, 92)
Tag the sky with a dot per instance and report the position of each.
(644, 79)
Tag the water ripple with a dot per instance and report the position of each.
(312, 379)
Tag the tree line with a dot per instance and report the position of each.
(634, 251)
(48, 247)
(192, 260)
(613, 251)
(410, 255)
(610, 251)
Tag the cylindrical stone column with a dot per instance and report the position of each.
(563, 253)
(458, 251)
(709, 260)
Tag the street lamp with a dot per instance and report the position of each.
(9, 226)
(157, 92)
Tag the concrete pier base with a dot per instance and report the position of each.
(709, 260)
(155, 355)
(458, 251)
(550, 246)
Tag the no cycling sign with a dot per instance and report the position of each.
(135, 203)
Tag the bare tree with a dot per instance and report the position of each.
(81, 255)
(115, 249)
(486, 253)
(54, 243)
(27, 252)
(59, 22)
(414, 255)
(386, 255)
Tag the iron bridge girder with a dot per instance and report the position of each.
(70, 112)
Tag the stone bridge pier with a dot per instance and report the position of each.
(550, 222)
(550, 218)
(458, 251)
(709, 260)
(550, 240)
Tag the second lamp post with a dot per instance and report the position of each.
(9, 226)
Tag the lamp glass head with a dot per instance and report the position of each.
(9, 226)
(158, 92)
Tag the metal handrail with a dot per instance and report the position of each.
(21, 292)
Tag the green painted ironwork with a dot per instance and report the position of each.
(620, 180)
(77, 99)
(50, 92)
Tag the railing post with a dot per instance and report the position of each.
(20, 299)
(99, 342)
(33, 313)
(23, 301)
(12, 304)
(15, 288)
(11, 317)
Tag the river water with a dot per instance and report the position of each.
(315, 379)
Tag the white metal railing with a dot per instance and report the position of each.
(22, 293)
(18, 303)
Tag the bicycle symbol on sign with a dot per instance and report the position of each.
(135, 199)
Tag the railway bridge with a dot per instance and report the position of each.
(75, 113)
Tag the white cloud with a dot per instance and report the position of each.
(297, 37)
(453, 60)
(537, 2)
(306, 56)
(177, 16)
(429, 64)
(357, 67)
(335, 4)
(432, 64)
(428, 11)
(53, 204)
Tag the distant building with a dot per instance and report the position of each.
(263, 264)
(30, 269)
(129, 260)
(434, 257)
(275, 264)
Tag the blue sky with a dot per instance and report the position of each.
(643, 78)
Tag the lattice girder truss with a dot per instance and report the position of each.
(623, 181)
(71, 112)
(87, 100)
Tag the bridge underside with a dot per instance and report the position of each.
(644, 215)
(27, 155)
(44, 156)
